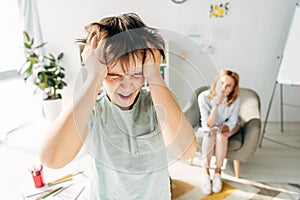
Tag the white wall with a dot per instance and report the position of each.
(257, 31)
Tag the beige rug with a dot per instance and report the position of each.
(233, 190)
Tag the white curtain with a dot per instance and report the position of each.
(31, 21)
(16, 16)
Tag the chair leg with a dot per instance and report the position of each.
(236, 165)
(191, 160)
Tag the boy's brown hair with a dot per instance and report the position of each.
(124, 37)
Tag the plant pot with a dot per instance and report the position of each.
(52, 108)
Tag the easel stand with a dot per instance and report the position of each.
(289, 64)
(269, 108)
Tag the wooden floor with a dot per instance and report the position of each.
(19, 151)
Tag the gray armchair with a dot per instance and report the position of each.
(242, 144)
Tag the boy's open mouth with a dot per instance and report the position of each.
(125, 97)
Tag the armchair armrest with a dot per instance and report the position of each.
(251, 136)
(192, 113)
(191, 109)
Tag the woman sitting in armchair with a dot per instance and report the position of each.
(219, 109)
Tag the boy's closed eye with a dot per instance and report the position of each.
(138, 75)
(113, 76)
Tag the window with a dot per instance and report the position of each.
(11, 51)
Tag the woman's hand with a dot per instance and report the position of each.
(151, 68)
(225, 131)
(92, 55)
(218, 99)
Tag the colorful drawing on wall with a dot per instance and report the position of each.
(219, 10)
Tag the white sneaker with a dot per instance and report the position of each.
(206, 184)
(217, 183)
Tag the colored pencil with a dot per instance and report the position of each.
(58, 182)
(79, 193)
(64, 178)
(49, 193)
(42, 192)
(62, 190)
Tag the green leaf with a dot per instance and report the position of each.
(52, 57)
(32, 41)
(33, 59)
(61, 75)
(60, 86)
(42, 77)
(60, 56)
(27, 46)
(41, 45)
(26, 36)
(51, 82)
(42, 86)
(65, 84)
(48, 67)
(49, 73)
(29, 69)
(53, 63)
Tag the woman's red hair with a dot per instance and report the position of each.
(234, 94)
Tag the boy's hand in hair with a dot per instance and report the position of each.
(151, 68)
(92, 56)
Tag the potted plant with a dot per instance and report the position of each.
(46, 73)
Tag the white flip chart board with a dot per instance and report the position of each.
(289, 72)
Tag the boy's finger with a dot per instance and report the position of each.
(94, 42)
(100, 44)
(100, 50)
(86, 52)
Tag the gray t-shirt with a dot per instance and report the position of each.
(129, 156)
